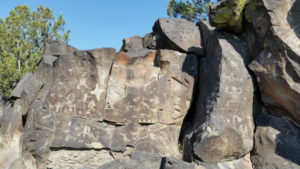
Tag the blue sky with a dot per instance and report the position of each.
(99, 23)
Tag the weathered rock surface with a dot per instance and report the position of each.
(104, 104)
(241, 163)
(11, 122)
(78, 158)
(228, 14)
(277, 64)
(10, 158)
(133, 43)
(173, 163)
(179, 34)
(163, 93)
(151, 41)
(223, 119)
(18, 164)
(158, 101)
(206, 31)
(125, 163)
(138, 160)
(277, 143)
(17, 92)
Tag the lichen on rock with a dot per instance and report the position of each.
(228, 14)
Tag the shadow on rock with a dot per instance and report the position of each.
(279, 135)
(294, 17)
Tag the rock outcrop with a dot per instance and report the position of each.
(183, 96)
(179, 34)
(109, 103)
(276, 65)
(276, 143)
(223, 119)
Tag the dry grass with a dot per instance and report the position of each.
(11, 148)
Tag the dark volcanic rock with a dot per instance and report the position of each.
(277, 143)
(277, 64)
(150, 41)
(179, 34)
(148, 94)
(206, 31)
(223, 120)
(99, 100)
(141, 160)
(17, 92)
(133, 43)
(11, 120)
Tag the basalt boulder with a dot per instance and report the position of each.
(276, 65)
(276, 143)
(179, 34)
(223, 119)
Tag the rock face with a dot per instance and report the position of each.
(181, 96)
(11, 122)
(179, 34)
(141, 160)
(91, 107)
(162, 93)
(276, 143)
(132, 44)
(17, 92)
(276, 65)
(173, 163)
(223, 118)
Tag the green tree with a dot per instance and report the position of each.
(192, 10)
(22, 36)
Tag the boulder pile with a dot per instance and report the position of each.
(224, 95)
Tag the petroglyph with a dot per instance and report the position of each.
(98, 92)
(96, 102)
(149, 94)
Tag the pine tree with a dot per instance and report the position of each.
(22, 36)
(192, 10)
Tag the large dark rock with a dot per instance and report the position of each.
(223, 123)
(277, 64)
(151, 94)
(179, 34)
(97, 101)
(277, 143)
